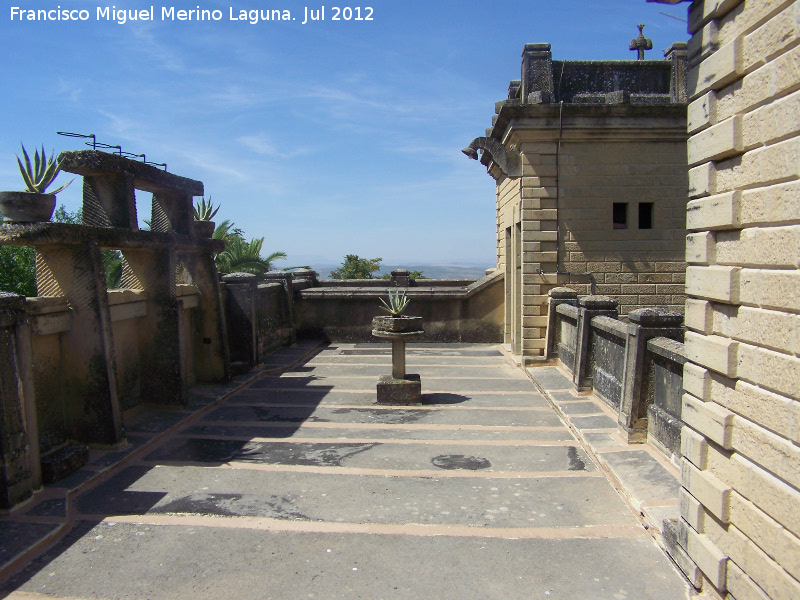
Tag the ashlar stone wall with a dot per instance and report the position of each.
(740, 501)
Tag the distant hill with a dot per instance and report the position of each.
(444, 271)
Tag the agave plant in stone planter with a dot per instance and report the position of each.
(396, 321)
(34, 205)
(204, 211)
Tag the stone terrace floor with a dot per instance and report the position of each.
(300, 486)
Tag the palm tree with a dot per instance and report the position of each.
(245, 257)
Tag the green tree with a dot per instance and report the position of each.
(354, 267)
(18, 270)
(240, 256)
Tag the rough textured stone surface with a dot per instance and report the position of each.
(399, 391)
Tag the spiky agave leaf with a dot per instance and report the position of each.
(39, 175)
(204, 211)
(397, 303)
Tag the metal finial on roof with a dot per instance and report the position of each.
(641, 43)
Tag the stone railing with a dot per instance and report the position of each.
(451, 310)
(75, 357)
(634, 366)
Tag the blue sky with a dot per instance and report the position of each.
(327, 138)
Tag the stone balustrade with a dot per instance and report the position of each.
(635, 366)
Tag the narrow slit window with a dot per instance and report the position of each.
(645, 215)
(619, 217)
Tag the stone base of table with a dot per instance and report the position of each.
(399, 391)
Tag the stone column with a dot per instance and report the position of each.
(19, 443)
(242, 317)
(678, 54)
(211, 351)
(285, 278)
(75, 272)
(158, 336)
(109, 200)
(558, 295)
(589, 307)
(644, 324)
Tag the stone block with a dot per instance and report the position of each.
(672, 541)
(773, 370)
(714, 283)
(718, 142)
(772, 37)
(694, 448)
(766, 165)
(697, 381)
(775, 204)
(760, 567)
(60, 463)
(715, 352)
(692, 510)
(400, 391)
(741, 586)
(774, 453)
(714, 212)
(702, 180)
(699, 316)
(760, 246)
(710, 559)
(700, 248)
(718, 70)
(712, 420)
(768, 288)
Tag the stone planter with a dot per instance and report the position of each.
(26, 207)
(203, 229)
(399, 387)
(401, 324)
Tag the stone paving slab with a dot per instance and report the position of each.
(647, 479)
(398, 433)
(599, 421)
(485, 371)
(184, 562)
(551, 378)
(376, 455)
(528, 399)
(368, 382)
(445, 500)
(643, 475)
(418, 359)
(391, 416)
(476, 501)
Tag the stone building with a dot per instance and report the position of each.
(590, 163)
(739, 535)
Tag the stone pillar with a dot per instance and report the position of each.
(211, 352)
(19, 443)
(242, 316)
(537, 74)
(91, 406)
(304, 278)
(172, 211)
(644, 324)
(109, 200)
(401, 278)
(678, 54)
(589, 307)
(153, 270)
(285, 278)
(558, 295)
